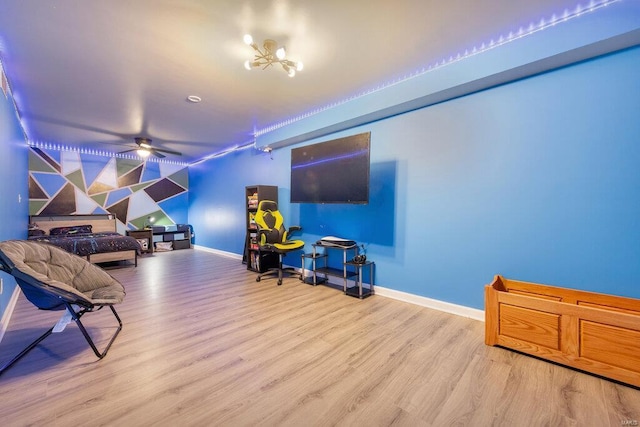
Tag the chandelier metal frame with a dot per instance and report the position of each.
(269, 55)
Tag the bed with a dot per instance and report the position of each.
(93, 237)
(592, 332)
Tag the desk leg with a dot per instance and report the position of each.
(344, 270)
(371, 278)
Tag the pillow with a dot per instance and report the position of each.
(75, 229)
(36, 232)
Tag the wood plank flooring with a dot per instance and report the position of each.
(204, 344)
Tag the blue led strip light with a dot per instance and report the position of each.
(485, 46)
(102, 153)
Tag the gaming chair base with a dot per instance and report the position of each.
(279, 272)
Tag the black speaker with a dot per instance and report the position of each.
(359, 259)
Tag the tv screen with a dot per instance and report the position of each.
(335, 171)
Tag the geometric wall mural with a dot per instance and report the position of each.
(70, 182)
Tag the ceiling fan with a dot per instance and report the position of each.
(144, 149)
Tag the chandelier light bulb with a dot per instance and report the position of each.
(247, 65)
(299, 66)
(281, 53)
(248, 39)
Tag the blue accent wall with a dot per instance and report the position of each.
(536, 179)
(14, 195)
(217, 201)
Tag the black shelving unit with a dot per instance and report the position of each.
(357, 290)
(320, 268)
(254, 259)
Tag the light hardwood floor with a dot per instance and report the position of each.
(203, 344)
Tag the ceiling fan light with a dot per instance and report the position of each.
(143, 153)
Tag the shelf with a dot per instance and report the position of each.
(319, 280)
(314, 256)
(338, 272)
(256, 261)
(350, 270)
(320, 273)
(358, 290)
(261, 262)
(358, 264)
(354, 291)
(143, 234)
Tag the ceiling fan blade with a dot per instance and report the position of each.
(156, 153)
(126, 151)
(168, 151)
(145, 143)
(61, 122)
(141, 141)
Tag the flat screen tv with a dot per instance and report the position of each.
(335, 171)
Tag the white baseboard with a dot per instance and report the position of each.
(447, 307)
(218, 252)
(6, 316)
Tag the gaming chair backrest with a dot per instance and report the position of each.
(269, 219)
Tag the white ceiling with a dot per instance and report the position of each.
(95, 74)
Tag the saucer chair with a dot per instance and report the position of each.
(54, 279)
(274, 238)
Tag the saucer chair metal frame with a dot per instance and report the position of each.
(46, 296)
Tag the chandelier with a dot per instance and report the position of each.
(269, 55)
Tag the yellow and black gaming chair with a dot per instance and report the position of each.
(274, 238)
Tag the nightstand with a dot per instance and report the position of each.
(143, 235)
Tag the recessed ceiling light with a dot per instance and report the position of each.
(194, 98)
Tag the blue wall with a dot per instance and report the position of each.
(536, 180)
(217, 195)
(13, 185)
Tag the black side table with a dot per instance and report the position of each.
(357, 291)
